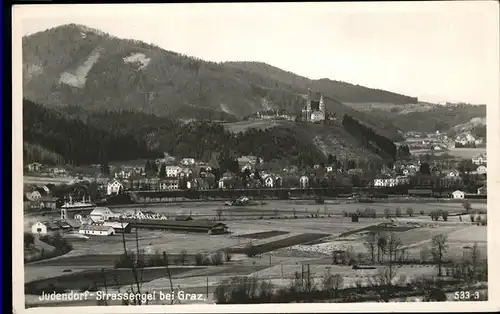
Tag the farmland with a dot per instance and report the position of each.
(285, 235)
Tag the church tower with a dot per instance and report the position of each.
(322, 105)
(308, 107)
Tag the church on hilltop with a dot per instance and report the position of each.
(314, 111)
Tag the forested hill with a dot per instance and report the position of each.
(73, 64)
(52, 137)
(78, 136)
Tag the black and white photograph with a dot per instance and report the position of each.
(253, 154)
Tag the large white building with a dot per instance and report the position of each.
(101, 214)
(172, 171)
(314, 110)
(458, 194)
(97, 230)
(114, 187)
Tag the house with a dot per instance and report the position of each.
(33, 195)
(458, 194)
(123, 174)
(272, 180)
(304, 182)
(114, 187)
(48, 202)
(481, 169)
(482, 190)
(329, 168)
(245, 166)
(50, 227)
(42, 228)
(97, 230)
(452, 173)
(34, 167)
(172, 171)
(169, 184)
(406, 172)
(479, 159)
(118, 227)
(101, 214)
(187, 161)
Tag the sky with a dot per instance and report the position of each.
(436, 51)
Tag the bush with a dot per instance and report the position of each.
(345, 213)
(444, 214)
(471, 218)
(29, 239)
(228, 255)
(199, 259)
(398, 212)
(250, 250)
(409, 211)
(387, 213)
(217, 259)
(422, 212)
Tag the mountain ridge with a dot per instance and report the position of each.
(76, 65)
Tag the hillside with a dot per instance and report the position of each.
(78, 136)
(444, 118)
(76, 65)
(53, 137)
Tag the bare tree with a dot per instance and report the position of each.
(182, 257)
(475, 256)
(371, 245)
(382, 281)
(393, 245)
(409, 211)
(424, 254)
(381, 246)
(466, 205)
(439, 249)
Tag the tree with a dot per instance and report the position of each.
(409, 211)
(439, 249)
(444, 214)
(387, 212)
(424, 254)
(371, 245)
(475, 256)
(398, 212)
(425, 169)
(466, 205)
(182, 257)
(163, 171)
(393, 245)
(381, 246)
(29, 239)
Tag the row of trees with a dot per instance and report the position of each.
(369, 137)
(76, 141)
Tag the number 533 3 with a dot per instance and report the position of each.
(466, 295)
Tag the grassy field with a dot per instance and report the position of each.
(280, 241)
(241, 126)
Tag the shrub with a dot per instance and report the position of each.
(444, 214)
(398, 212)
(217, 259)
(228, 255)
(199, 259)
(471, 218)
(294, 217)
(387, 213)
(182, 257)
(29, 239)
(250, 250)
(345, 213)
(409, 211)
(422, 212)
